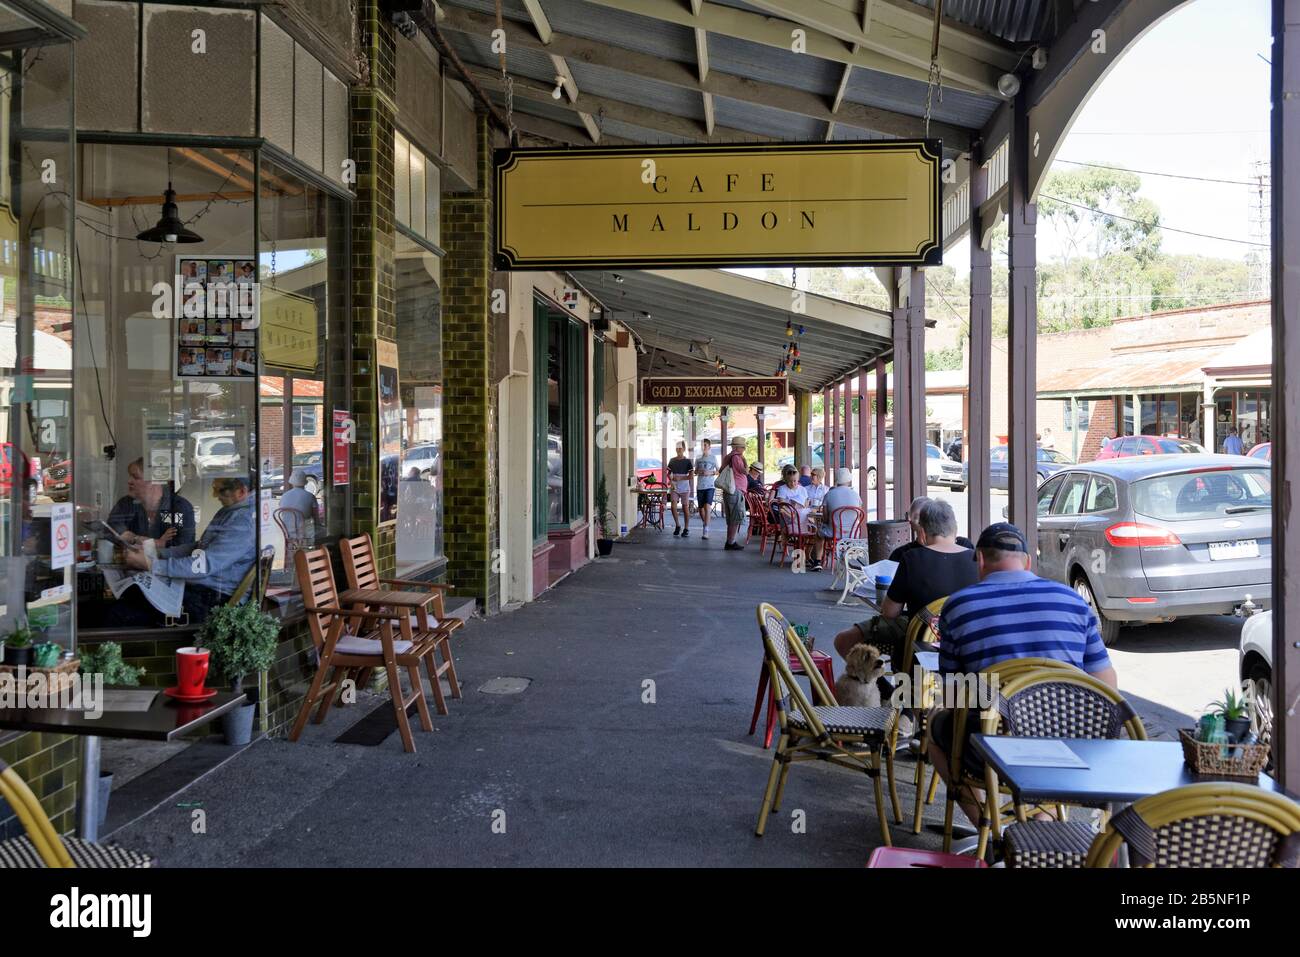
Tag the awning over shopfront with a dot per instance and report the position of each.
(1139, 373)
(687, 319)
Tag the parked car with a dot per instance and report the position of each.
(939, 469)
(1049, 463)
(1127, 445)
(57, 479)
(422, 457)
(650, 468)
(215, 451)
(1257, 656)
(1154, 538)
(1262, 451)
(7, 451)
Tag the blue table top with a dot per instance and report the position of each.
(1119, 772)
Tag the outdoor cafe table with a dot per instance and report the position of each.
(646, 499)
(417, 601)
(162, 720)
(1119, 771)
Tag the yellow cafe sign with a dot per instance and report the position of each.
(874, 202)
(289, 334)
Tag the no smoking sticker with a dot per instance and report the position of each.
(61, 535)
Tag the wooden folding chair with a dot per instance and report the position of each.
(851, 738)
(344, 655)
(362, 572)
(41, 845)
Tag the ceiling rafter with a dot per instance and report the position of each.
(542, 24)
(673, 73)
(874, 53)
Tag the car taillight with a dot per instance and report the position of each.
(1137, 535)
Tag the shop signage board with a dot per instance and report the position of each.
(715, 390)
(289, 330)
(726, 204)
(342, 447)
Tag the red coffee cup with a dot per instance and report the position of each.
(191, 671)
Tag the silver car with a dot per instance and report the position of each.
(939, 469)
(1158, 537)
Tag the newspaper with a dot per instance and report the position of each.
(165, 594)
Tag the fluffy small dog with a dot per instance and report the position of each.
(859, 686)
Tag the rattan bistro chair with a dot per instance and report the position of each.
(41, 845)
(344, 655)
(1051, 703)
(956, 774)
(1211, 824)
(851, 738)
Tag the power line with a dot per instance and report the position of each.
(1147, 172)
(1171, 229)
(1167, 132)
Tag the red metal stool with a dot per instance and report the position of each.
(911, 857)
(820, 661)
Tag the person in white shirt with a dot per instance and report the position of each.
(297, 497)
(817, 488)
(790, 490)
(706, 473)
(681, 477)
(841, 496)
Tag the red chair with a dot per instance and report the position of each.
(824, 666)
(913, 857)
(759, 519)
(847, 521)
(790, 533)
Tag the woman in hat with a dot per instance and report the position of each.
(734, 501)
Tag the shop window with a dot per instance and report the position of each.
(165, 415)
(299, 260)
(559, 424)
(306, 422)
(419, 348)
(418, 187)
(38, 542)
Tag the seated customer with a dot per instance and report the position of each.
(228, 546)
(913, 511)
(991, 622)
(937, 568)
(843, 495)
(150, 510)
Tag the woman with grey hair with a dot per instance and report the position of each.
(938, 568)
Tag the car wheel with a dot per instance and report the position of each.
(871, 478)
(958, 489)
(1109, 629)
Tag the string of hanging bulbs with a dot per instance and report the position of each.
(790, 361)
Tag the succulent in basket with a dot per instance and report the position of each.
(1236, 713)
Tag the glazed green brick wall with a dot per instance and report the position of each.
(469, 392)
(51, 766)
(374, 313)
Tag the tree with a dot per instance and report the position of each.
(1100, 210)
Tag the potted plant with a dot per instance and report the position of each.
(242, 641)
(18, 646)
(1236, 713)
(604, 519)
(106, 659)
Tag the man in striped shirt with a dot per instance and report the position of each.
(1009, 613)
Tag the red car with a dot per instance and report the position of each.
(7, 466)
(1127, 445)
(58, 481)
(650, 469)
(1262, 451)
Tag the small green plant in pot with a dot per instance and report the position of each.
(18, 646)
(106, 659)
(604, 519)
(1236, 713)
(242, 642)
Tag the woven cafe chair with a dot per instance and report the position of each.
(850, 738)
(41, 845)
(1050, 703)
(386, 643)
(958, 776)
(846, 523)
(1210, 824)
(360, 570)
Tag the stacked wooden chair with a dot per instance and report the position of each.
(378, 639)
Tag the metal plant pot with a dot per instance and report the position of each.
(238, 724)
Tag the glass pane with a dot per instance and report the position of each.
(38, 541)
(432, 192)
(555, 420)
(417, 192)
(419, 343)
(297, 266)
(402, 178)
(166, 419)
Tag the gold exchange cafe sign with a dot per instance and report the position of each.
(722, 205)
(728, 390)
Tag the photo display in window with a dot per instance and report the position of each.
(216, 331)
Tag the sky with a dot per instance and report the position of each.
(1191, 97)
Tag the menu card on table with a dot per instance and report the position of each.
(1034, 753)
